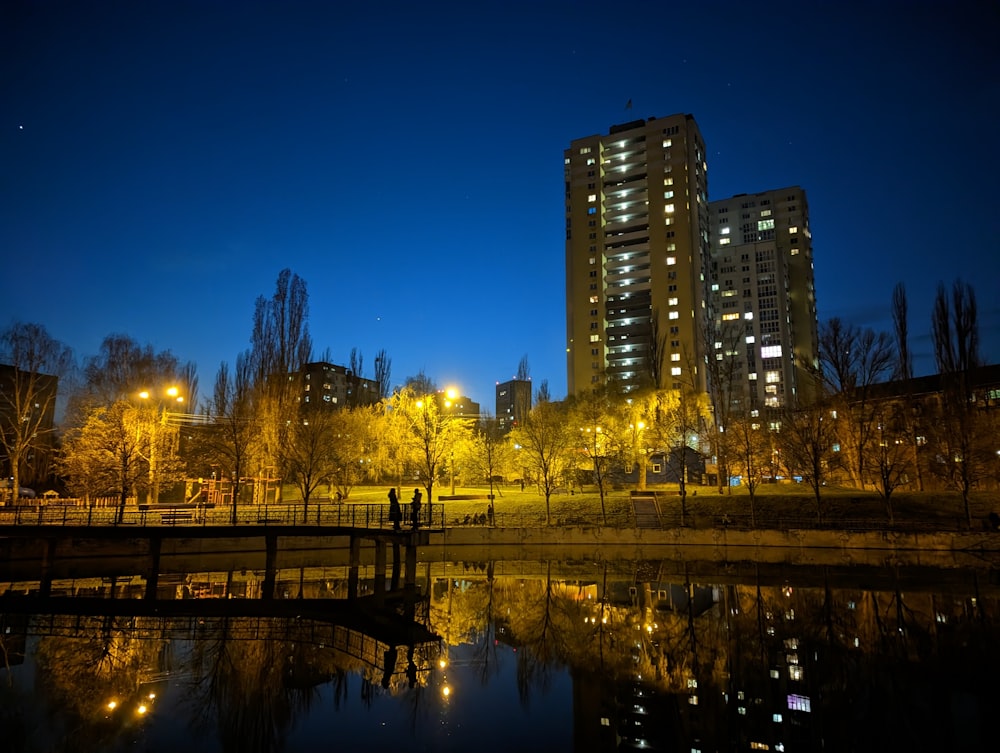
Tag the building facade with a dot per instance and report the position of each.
(763, 295)
(513, 402)
(637, 256)
(335, 386)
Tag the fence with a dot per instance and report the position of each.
(438, 515)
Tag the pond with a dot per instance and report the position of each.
(542, 654)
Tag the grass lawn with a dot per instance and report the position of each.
(704, 504)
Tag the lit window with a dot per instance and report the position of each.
(730, 317)
(770, 351)
(671, 261)
(667, 143)
(675, 371)
(593, 299)
(668, 194)
(793, 230)
(675, 356)
(724, 241)
(584, 150)
(765, 213)
(750, 339)
(724, 231)
(591, 210)
(795, 252)
(669, 208)
(591, 161)
(748, 315)
(592, 197)
(765, 224)
(752, 376)
(799, 703)
(673, 315)
(595, 338)
(671, 301)
(772, 376)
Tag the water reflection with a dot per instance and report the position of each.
(503, 654)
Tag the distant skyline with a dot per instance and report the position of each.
(163, 161)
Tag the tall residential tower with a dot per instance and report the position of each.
(637, 256)
(763, 295)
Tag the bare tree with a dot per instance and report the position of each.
(545, 442)
(904, 361)
(955, 329)
(280, 347)
(28, 394)
(489, 451)
(657, 352)
(306, 457)
(542, 393)
(806, 445)
(891, 456)
(750, 444)
(280, 341)
(594, 412)
(234, 429)
(728, 391)
(383, 370)
(523, 370)
(853, 360)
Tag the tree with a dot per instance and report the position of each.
(352, 445)
(729, 393)
(545, 443)
(383, 370)
(28, 394)
(593, 411)
(234, 429)
(280, 347)
(890, 455)
(750, 444)
(955, 329)
(123, 367)
(904, 361)
(306, 457)
(853, 360)
(431, 435)
(542, 394)
(806, 446)
(110, 445)
(489, 453)
(523, 370)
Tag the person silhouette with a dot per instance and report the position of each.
(415, 508)
(395, 511)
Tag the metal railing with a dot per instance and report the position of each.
(439, 515)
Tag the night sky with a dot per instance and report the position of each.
(161, 162)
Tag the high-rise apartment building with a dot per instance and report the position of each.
(763, 295)
(637, 254)
(513, 403)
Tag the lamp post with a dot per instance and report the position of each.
(171, 394)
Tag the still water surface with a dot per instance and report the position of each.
(508, 655)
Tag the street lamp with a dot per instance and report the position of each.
(172, 394)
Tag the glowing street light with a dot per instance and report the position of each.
(172, 394)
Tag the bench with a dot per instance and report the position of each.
(461, 497)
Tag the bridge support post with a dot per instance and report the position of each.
(380, 553)
(352, 572)
(153, 575)
(270, 569)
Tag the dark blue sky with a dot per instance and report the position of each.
(161, 162)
